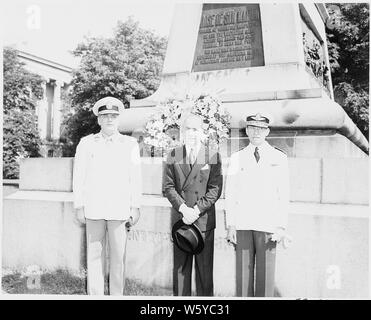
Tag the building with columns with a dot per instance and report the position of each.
(57, 79)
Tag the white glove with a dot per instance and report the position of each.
(189, 214)
(80, 216)
(281, 236)
(278, 235)
(134, 217)
(286, 241)
(231, 235)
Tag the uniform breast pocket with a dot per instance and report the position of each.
(274, 170)
(96, 160)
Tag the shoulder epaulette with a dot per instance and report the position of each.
(239, 150)
(87, 137)
(280, 150)
(122, 138)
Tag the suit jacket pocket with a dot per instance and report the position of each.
(204, 175)
(274, 164)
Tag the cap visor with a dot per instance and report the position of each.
(257, 124)
(108, 112)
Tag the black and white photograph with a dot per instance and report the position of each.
(165, 150)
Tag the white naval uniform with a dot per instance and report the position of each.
(107, 184)
(107, 176)
(257, 193)
(257, 197)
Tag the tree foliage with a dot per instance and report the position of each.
(126, 66)
(348, 46)
(22, 89)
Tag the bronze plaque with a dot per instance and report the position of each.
(229, 36)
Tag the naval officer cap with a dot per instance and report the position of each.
(108, 105)
(262, 120)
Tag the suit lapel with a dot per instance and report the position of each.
(200, 162)
(183, 163)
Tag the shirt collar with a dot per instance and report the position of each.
(112, 138)
(196, 149)
(264, 146)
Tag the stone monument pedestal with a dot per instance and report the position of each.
(265, 70)
(255, 57)
(328, 219)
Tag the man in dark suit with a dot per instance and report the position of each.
(193, 183)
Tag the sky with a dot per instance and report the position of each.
(52, 28)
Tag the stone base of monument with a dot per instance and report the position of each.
(301, 144)
(315, 144)
(328, 219)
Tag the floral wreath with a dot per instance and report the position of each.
(162, 128)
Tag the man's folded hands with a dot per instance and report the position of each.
(189, 214)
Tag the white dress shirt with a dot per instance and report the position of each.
(107, 176)
(192, 152)
(257, 193)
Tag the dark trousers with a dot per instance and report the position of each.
(182, 273)
(255, 258)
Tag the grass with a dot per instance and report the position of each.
(65, 282)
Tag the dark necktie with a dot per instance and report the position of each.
(191, 157)
(256, 154)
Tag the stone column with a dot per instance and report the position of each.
(42, 113)
(57, 114)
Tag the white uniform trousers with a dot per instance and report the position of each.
(96, 238)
